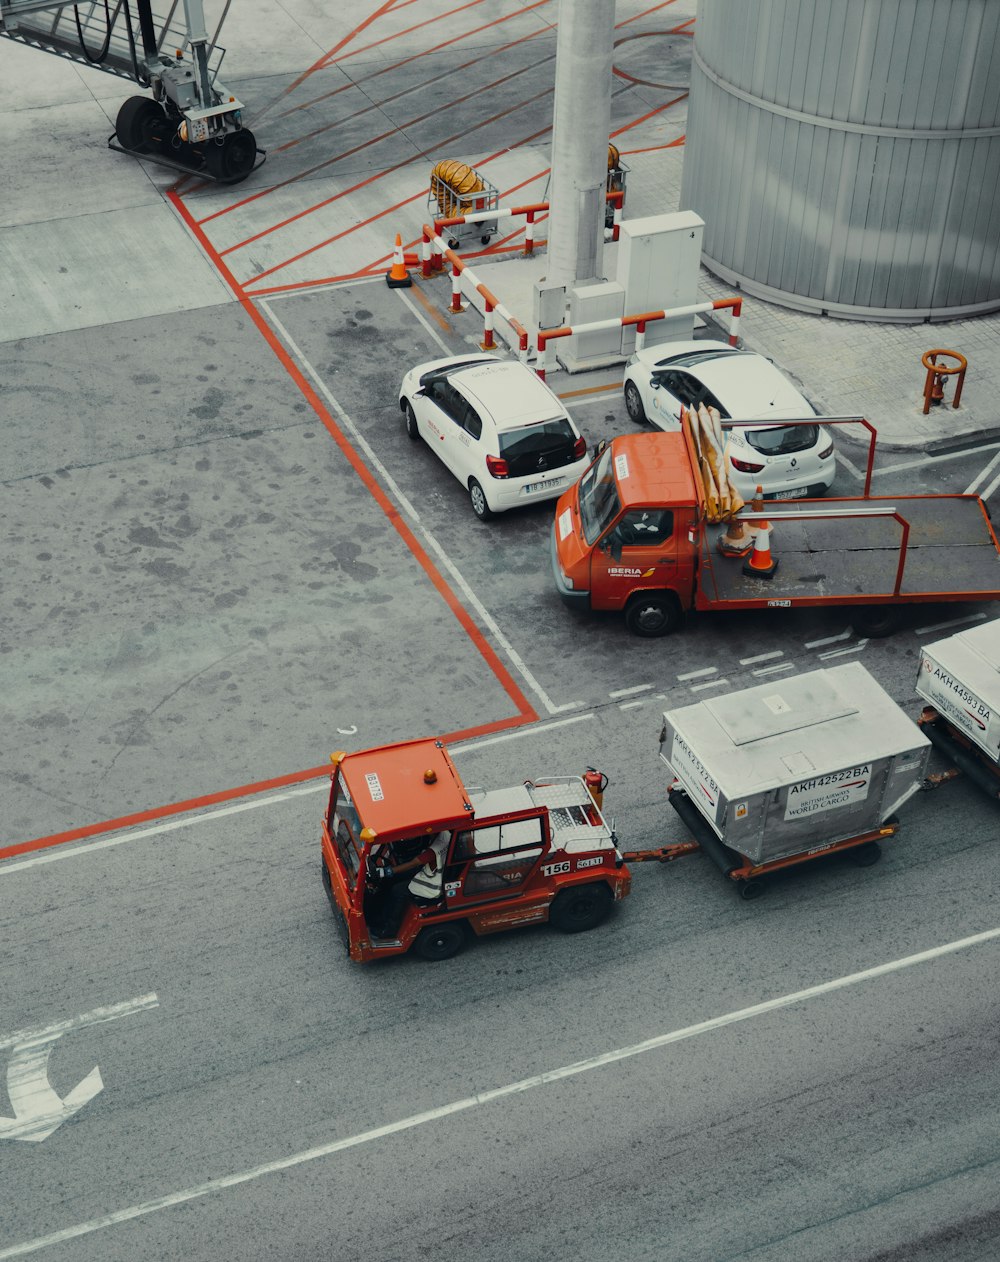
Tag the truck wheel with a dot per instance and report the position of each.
(875, 623)
(576, 910)
(633, 403)
(440, 942)
(478, 497)
(651, 614)
(411, 422)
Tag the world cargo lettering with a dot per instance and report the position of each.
(829, 792)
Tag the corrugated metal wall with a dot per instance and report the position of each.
(845, 154)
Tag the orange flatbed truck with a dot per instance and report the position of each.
(633, 535)
(533, 852)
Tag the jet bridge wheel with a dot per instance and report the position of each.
(231, 157)
(138, 118)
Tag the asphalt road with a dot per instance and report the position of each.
(861, 1122)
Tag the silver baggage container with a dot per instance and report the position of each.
(797, 764)
(960, 677)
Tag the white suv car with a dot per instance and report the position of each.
(497, 427)
(788, 461)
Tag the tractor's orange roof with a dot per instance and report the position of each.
(657, 469)
(393, 796)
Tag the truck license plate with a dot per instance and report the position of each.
(800, 492)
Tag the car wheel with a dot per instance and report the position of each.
(651, 614)
(411, 422)
(576, 910)
(633, 403)
(478, 497)
(440, 942)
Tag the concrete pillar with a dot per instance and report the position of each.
(582, 120)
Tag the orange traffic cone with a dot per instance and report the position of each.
(737, 541)
(760, 564)
(397, 277)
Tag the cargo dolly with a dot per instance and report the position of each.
(864, 848)
(789, 771)
(960, 679)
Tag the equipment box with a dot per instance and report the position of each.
(960, 677)
(796, 765)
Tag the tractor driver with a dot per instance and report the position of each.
(424, 888)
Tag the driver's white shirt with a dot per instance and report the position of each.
(428, 881)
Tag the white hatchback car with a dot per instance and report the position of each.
(497, 427)
(788, 461)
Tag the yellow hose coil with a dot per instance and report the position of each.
(614, 157)
(453, 183)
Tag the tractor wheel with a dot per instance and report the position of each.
(231, 158)
(584, 907)
(137, 120)
(650, 614)
(440, 942)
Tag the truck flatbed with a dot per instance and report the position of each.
(951, 554)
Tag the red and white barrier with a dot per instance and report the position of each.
(493, 306)
(544, 362)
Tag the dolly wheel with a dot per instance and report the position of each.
(576, 910)
(440, 942)
(231, 157)
(752, 889)
(864, 856)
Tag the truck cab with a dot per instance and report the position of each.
(625, 536)
(534, 852)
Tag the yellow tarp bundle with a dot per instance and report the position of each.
(722, 501)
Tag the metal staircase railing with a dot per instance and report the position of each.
(52, 27)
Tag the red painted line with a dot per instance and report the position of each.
(643, 117)
(223, 795)
(418, 26)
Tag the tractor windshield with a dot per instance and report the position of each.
(345, 831)
(599, 502)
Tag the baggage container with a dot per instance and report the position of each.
(960, 677)
(796, 764)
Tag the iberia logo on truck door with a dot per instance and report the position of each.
(828, 793)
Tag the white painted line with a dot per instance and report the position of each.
(698, 674)
(545, 1079)
(712, 683)
(88, 846)
(517, 734)
(770, 670)
(849, 465)
(926, 460)
(830, 639)
(628, 692)
(854, 648)
(631, 705)
(446, 562)
(95, 1017)
(985, 494)
(952, 622)
(422, 319)
(761, 657)
(970, 489)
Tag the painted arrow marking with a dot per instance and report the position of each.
(38, 1108)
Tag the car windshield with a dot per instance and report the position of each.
(782, 440)
(532, 448)
(599, 502)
